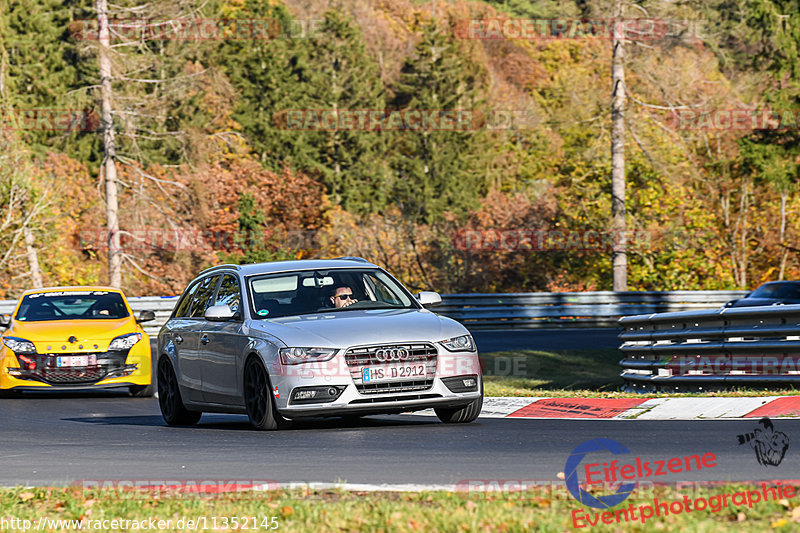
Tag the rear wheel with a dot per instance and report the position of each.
(141, 391)
(169, 397)
(258, 398)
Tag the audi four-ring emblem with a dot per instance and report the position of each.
(391, 354)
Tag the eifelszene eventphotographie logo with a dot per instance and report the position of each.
(573, 483)
(770, 445)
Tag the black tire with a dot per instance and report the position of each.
(169, 398)
(141, 391)
(258, 398)
(462, 415)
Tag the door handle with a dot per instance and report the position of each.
(204, 339)
(178, 339)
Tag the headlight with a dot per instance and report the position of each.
(125, 342)
(459, 344)
(19, 345)
(295, 356)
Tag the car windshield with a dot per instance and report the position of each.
(790, 291)
(314, 291)
(72, 305)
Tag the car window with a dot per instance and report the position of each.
(304, 292)
(72, 305)
(789, 291)
(381, 292)
(202, 297)
(182, 309)
(777, 290)
(228, 293)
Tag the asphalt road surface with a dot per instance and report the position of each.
(64, 438)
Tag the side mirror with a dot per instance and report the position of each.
(5, 321)
(146, 316)
(220, 313)
(429, 298)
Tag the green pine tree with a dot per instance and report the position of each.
(438, 170)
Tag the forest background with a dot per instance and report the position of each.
(212, 169)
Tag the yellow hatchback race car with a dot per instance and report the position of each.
(75, 338)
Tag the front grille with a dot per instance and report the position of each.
(68, 376)
(365, 357)
(396, 398)
(47, 371)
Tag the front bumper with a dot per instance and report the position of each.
(109, 370)
(351, 402)
(355, 395)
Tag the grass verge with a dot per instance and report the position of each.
(338, 510)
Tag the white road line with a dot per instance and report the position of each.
(365, 487)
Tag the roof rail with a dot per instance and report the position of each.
(352, 258)
(229, 265)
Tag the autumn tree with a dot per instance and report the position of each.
(440, 170)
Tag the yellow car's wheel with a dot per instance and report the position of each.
(141, 391)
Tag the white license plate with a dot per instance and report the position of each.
(74, 360)
(393, 372)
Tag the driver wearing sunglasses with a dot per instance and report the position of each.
(342, 297)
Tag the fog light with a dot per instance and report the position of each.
(304, 394)
(14, 371)
(462, 383)
(316, 394)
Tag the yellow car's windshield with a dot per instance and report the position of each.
(72, 305)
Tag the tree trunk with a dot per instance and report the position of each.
(109, 160)
(744, 205)
(619, 259)
(33, 258)
(785, 251)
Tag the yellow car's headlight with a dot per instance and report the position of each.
(124, 342)
(20, 346)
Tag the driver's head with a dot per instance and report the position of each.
(343, 296)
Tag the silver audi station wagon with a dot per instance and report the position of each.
(293, 339)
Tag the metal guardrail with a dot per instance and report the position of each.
(571, 309)
(712, 349)
(514, 310)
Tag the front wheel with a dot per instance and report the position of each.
(258, 398)
(461, 415)
(169, 398)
